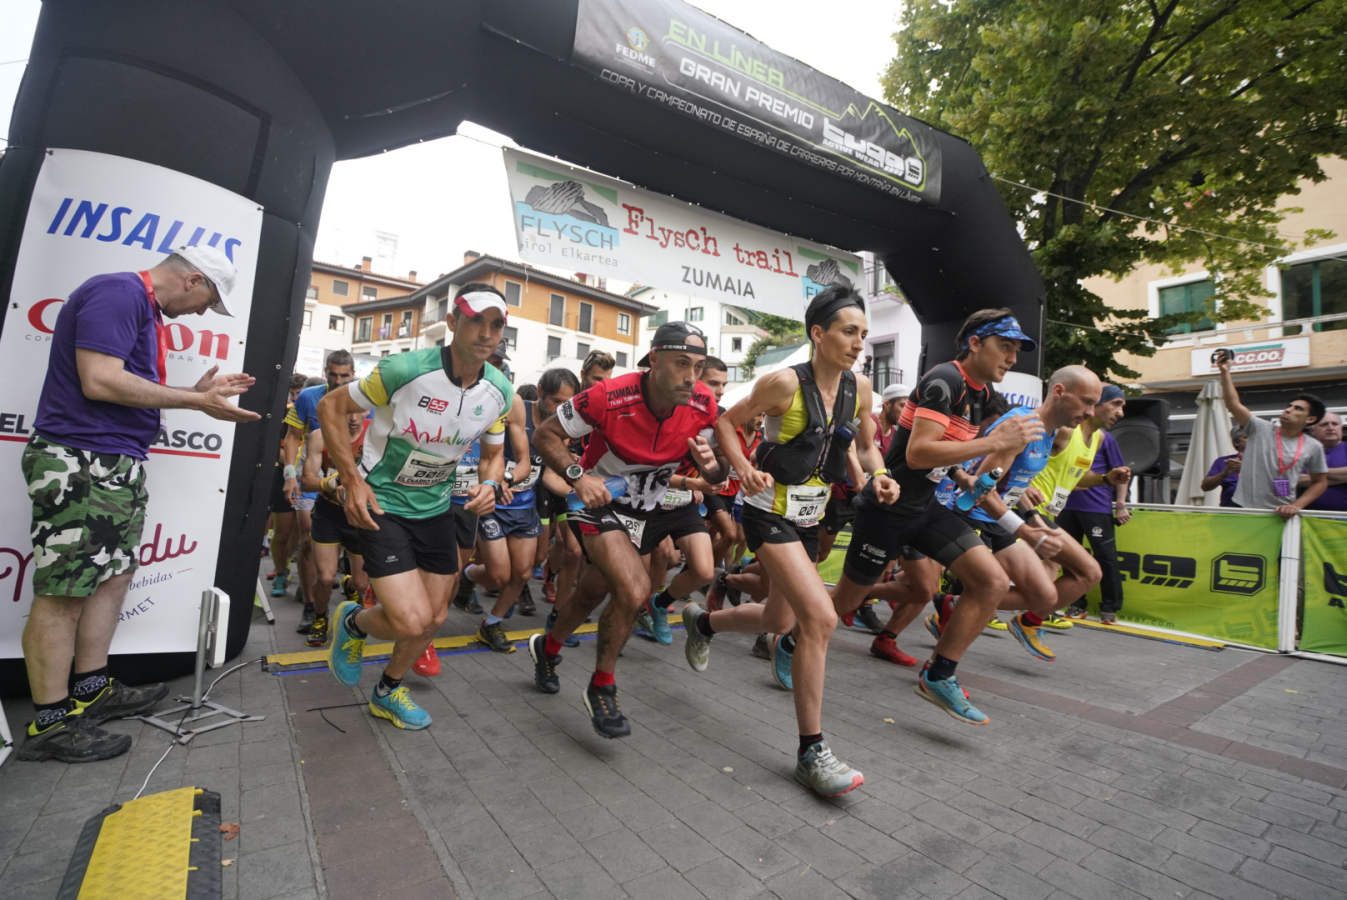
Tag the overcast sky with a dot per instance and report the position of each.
(443, 197)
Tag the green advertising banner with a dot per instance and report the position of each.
(1323, 555)
(830, 569)
(1209, 574)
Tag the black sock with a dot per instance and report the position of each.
(84, 686)
(704, 625)
(386, 685)
(350, 623)
(809, 740)
(787, 643)
(46, 715)
(891, 635)
(663, 599)
(941, 668)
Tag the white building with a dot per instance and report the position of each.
(730, 330)
(894, 344)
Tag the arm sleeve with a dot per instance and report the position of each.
(495, 432)
(111, 318)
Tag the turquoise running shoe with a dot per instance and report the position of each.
(399, 708)
(781, 658)
(659, 623)
(344, 659)
(947, 695)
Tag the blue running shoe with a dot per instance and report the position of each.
(947, 695)
(645, 625)
(537, 573)
(399, 708)
(659, 623)
(344, 659)
(278, 585)
(933, 625)
(781, 658)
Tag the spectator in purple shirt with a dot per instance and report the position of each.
(1329, 432)
(96, 417)
(1224, 470)
(1099, 502)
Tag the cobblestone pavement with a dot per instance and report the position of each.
(1127, 768)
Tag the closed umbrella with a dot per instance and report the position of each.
(1211, 438)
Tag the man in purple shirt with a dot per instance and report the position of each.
(96, 417)
(1224, 470)
(1099, 502)
(1329, 432)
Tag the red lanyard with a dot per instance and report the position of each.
(161, 330)
(1300, 446)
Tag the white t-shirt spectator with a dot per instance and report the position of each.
(1261, 474)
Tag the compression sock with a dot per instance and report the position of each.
(663, 599)
(551, 646)
(350, 624)
(602, 679)
(1031, 618)
(84, 686)
(809, 740)
(941, 668)
(46, 715)
(386, 685)
(704, 625)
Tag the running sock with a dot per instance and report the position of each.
(1031, 618)
(809, 740)
(788, 643)
(386, 685)
(704, 625)
(551, 646)
(602, 679)
(941, 668)
(84, 686)
(46, 715)
(492, 620)
(350, 624)
(663, 599)
(891, 635)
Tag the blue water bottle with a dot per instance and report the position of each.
(616, 484)
(968, 499)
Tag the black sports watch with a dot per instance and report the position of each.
(573, 473)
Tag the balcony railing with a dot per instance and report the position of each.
(1257, 331)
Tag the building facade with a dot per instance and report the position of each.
(893, 347)
(730, 330)
(332, 288)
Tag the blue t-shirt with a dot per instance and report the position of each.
(109, 314)
(523, 493)
(306, 406)
(1030, 461)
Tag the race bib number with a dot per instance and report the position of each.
(1058, 502)
(805, 504)
(423, 470)
(528, 482)
(465, 479)
(635, 527)
(1012, 496)
(675, 499)
(938, 474)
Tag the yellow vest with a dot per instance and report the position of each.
(1065, 470)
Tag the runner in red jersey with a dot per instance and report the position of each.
(641, 426)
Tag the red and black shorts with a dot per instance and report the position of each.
(646, 529)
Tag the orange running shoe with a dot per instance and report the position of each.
(428, 664)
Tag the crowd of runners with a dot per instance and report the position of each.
(638, 499)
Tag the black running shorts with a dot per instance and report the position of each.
(646, 529)
(879, 534)
(762, 527)
(330, 527)
(402, 544)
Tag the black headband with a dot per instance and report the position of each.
(840, 302)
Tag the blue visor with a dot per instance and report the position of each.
(1007, 327)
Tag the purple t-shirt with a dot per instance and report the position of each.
(1335, 495)
(1098, 499)
(110, 314)
(1228, 482)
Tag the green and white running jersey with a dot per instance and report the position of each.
(422, 423)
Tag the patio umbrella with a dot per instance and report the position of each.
(1210, 439)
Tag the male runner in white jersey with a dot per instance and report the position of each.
(429, 406)
(641, 426)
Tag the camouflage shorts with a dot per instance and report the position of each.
(88, 512)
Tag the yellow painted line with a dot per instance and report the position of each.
(384, 649)
(1153, 633)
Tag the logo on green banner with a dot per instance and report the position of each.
(1238, 573)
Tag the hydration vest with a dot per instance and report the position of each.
(820, 449)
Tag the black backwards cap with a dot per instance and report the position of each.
(674, 336)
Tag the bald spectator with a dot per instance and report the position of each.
(1328, 430)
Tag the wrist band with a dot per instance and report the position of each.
(290, 472)
(490, 482)
(1010, 521)
(880, 471)
(1040, 542)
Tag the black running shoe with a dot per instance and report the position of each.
(74, 739)
(526, 605)
(866, 616)
(317, 633)
(604, 714)
(544, 666)
(305, 620)
(494, 637)
(117, 700)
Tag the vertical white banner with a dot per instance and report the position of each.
(91, 214)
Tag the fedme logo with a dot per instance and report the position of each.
(1157, 569)
(42, 316)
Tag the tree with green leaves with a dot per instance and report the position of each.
(780, 332)
(1130, 131)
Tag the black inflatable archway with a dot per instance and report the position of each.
(262, 97)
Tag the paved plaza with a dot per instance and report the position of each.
(1127, 768)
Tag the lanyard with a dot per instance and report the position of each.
(161, 331)
(1300, 446)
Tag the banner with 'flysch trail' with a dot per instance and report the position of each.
(683, 59)
(93, 213)
(575, 219)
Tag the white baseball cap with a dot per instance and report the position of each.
(218, 268)
(894, 391)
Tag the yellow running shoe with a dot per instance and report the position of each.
(1028, 636)
(997, 625)
(1057, 622)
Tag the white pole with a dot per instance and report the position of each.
(1288, 594)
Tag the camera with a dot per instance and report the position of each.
(1221, 355)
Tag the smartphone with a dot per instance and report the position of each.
(1220, 355)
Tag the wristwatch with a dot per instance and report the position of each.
(572, 473)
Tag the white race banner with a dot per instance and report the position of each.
(93, 213)
(575, 219)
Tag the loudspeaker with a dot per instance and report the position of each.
(1143, 436)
